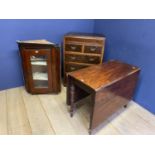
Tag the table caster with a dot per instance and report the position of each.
(125, 106)
(90, 131)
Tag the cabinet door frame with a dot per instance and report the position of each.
(38, 52)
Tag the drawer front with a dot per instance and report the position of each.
(82, 58)
(73, 58)
(73, 67)
(93, 49)
(73, 47)
(84, 40)
(37, 51)
(92, 59)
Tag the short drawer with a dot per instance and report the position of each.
(73, 47)
(92, 59)
(73, 67)
(82, 58)
(93, 49)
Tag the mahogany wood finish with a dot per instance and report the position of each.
(111, 86)
(82, 50)
(42, 48)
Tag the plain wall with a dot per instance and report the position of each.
(12, 30)
(133, 41)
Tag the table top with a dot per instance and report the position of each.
(102, 75)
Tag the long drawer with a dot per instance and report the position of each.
(84, 40)
(82, 58)
(73, 67)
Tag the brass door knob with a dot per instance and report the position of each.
(36, 51)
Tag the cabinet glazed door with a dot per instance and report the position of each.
(39, 70)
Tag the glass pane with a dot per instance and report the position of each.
(39, 71)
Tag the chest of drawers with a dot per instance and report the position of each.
(82, 50)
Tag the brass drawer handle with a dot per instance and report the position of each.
(73, 58)
(92, 49)
(72, 68)
(91, 59)
(73, 47)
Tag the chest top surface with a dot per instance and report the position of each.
(98, 76)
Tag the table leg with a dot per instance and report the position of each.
(90, 132)
(72, 100)
(91, 114)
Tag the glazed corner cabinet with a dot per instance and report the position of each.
(41, 66)
(81, 50)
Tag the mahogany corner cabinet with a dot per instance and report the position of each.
(41, 66)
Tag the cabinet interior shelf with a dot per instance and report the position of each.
(39, 63)
(40, 76)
